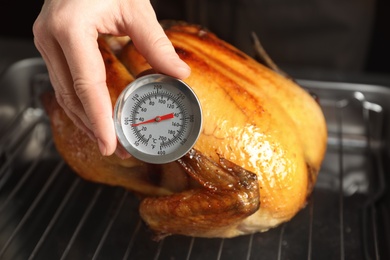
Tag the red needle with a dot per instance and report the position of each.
(156, 119)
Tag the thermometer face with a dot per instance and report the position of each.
(157, 118)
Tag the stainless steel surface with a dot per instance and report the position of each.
(48, 212)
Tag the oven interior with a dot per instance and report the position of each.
(48, 212)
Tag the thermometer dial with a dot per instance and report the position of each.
(157, 118)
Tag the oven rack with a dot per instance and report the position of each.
(48, 212)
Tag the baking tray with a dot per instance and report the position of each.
(48, 212)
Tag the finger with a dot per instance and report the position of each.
(121, 152)
(89, 76)
(62, 83)
(62, 79)
(151, 41)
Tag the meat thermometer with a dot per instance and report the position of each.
(157, 118)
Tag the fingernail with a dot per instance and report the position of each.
(102, 147)
(121, 153)
(179, 68)
(184, 69)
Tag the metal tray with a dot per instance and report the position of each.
(48, 212)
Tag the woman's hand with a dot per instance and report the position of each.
(66, 34)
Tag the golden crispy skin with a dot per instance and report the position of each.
(262, 143)
(253, 117)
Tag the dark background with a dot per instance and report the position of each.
(379, 51)
(17, 18)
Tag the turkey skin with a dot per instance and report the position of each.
(256, 160)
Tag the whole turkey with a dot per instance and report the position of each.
(254, 164)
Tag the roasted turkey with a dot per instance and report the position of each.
(254, 164)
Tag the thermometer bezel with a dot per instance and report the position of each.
(194, 131)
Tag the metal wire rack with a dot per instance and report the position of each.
(48, 212)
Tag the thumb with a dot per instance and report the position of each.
(151, 41)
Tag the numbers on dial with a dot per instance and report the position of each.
(159, 120)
